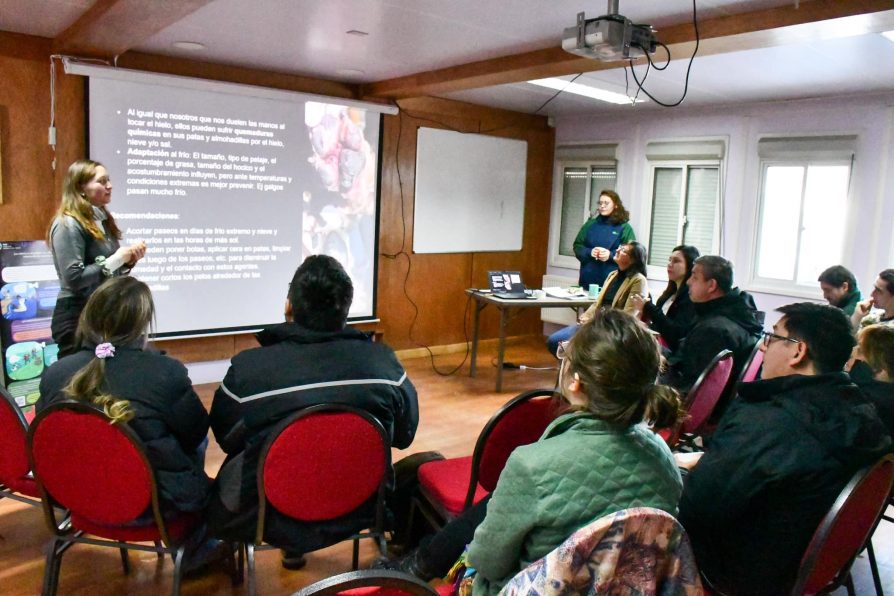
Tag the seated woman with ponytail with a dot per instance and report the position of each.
(114, 371)
(596, 458)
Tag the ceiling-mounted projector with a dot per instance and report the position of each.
(609, 37)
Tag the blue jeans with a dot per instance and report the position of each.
(564, 334)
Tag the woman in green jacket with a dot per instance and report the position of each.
(595, 459)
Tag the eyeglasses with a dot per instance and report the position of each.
(562, 350)
(768, 337)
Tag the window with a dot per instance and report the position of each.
(579, 181)
(802, 209)
(685, 198)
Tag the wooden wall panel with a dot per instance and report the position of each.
(436, 282)
(30, 185)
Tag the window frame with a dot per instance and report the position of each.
(767, 285)
(555, 258)
(660, 272)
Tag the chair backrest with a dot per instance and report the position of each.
(95, 469)
(388, 583)
(323, 462)
(846, 527)
(707, 391)
(520, 421)
(640, 550)
(13, 432)
(752, 365)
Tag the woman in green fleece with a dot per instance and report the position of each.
(595, 459)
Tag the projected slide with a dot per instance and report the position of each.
(230, 192)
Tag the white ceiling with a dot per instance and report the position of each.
(309, 37)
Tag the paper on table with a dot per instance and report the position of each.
(557, 292)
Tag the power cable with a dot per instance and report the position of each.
(543, 105)
(403, 252)
(651, 64)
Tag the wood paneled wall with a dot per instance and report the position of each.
(30, 184)
(425, 291)
(436, 282)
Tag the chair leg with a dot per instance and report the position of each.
(234, 567)
(355, 560)
(241, 561)
(250, 556)
(159, 546)
(125, 561)
(408, 532)
(382, 544)
(178, 569)
(850, 585)
(873, 566)
(52, 568)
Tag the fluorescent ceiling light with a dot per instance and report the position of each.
(192, 46)
(889, 34)
(585, 90)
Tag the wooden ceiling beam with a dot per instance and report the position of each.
(111, 27)
(757, 29)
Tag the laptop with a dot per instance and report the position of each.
(506, 284)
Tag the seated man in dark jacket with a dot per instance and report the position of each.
(782, 453)
(311, 359)
(839, 288)
(724, 321)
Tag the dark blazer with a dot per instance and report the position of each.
(680, 317)
(168, 415)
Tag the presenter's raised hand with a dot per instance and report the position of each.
(137, 252)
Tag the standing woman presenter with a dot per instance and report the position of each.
(86, 249)
(600, 237)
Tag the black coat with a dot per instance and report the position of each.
(725, 323)
(168, 416)
(880, 393)
(293, 369)
(680, 317)
(782, 453)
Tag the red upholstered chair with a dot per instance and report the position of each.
(450, 486)
(320, 464)
(845, 530)
(369, 582)
(100, 473)
(703, 397)
(16, 481)
(752, 367)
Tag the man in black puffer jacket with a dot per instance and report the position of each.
(724, 321)
(311, 359)
(781, 455)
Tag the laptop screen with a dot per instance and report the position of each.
(506, 281)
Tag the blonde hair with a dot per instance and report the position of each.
(877, 347)
(119, 312)
(617, 361)
(75, 204)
